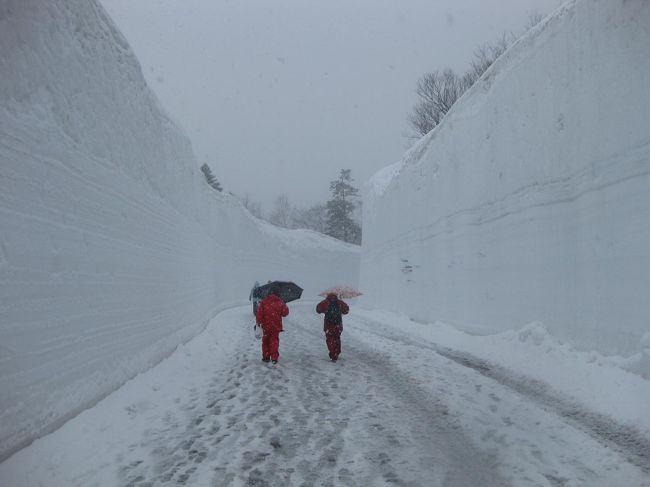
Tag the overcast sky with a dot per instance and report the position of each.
(278, 95)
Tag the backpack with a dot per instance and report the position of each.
(333, 314)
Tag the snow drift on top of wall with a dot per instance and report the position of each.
(467, 104)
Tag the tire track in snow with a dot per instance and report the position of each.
(403, 418)
(306, 422)
(624, 439)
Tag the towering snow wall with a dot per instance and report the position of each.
(113, 249)
(531, 201)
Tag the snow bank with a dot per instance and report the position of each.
(530, 202)
(113, 249)
(530, 355)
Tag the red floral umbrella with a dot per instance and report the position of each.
(343, 292)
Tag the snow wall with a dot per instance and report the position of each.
(113, 249)
(531, 201)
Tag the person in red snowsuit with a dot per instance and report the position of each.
(333, 308)
(269, 316)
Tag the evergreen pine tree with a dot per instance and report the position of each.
(209, 177)
(340, 208)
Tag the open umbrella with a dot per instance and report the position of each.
(343, 292)
(289, 291)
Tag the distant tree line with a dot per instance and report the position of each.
(338, 217)
(437, 91)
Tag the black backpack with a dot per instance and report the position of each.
(333, 314)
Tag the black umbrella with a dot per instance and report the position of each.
(289, 291)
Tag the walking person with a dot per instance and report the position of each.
(269, 316)
(333, 308)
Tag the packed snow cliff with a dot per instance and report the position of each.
(113, 249)
(530, 202)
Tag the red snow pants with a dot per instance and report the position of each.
(271, 345)
(333, 340)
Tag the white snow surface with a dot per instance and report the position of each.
(406, 404)
(113, 249)
(490, 242)
(530, 202)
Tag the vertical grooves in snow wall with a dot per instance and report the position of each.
(113, 250)
(531, 201)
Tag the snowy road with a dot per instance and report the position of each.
(392, 411)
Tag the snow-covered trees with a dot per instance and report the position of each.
(281, 214)
(437, 91)
(254, 207)
(287, 216)
(340, 208)
(337, 218)
(209, 177)
(313, 218)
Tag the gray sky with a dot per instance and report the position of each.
(278, 95)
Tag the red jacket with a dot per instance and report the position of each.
(324, 304)
(270, 312)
